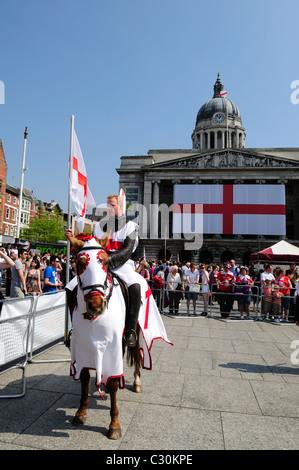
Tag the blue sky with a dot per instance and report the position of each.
(134, 73)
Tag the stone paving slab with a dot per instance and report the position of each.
(224, 385)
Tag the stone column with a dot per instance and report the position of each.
(145, 216)
(223, 139)
(154, 211)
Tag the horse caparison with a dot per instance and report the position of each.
(94, 300)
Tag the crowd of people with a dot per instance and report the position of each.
(270, 294)
(28, 273)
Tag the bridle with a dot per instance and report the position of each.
(99, 288)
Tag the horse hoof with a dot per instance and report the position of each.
(79, 420)
(137, 388)
(114, 433)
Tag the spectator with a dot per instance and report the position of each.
(6, 263)
(297, 302)
(51, 281)
(292, 273)
(144, 271)
(225, 282)
(234, 269)
(277, 301)
(257, 291)
(267, 300)
(205, 288)
(213, 282)
(174, 289)
(285, 285)
(158, 287)
(266, 274)
(18, 286)
(244, 298)
(192, 277)
(32, 278)
(73, 268)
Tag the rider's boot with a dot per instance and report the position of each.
(132, 315)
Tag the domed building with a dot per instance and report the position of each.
(218, 123)
(216, 200)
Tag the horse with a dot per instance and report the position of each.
(98, 320)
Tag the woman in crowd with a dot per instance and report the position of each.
(174, 289)
(205, 288)
(32, 278)
(144, 271)
(192, 278)
(244, 282)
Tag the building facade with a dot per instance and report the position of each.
(218, 157)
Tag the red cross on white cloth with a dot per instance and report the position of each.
(80, 193)
(230, 209)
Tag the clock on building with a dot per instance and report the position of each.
(218, 117)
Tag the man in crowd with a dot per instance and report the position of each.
(51, 281)
(225, 280)
(18, 285)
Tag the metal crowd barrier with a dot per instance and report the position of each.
(229, 309)
(15, 326)
(27, 325)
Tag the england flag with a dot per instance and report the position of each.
(239, 209)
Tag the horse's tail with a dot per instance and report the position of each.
(133, 353)
(131, 356)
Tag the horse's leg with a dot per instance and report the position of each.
(81, 414)
(114, 427)
(137, 387)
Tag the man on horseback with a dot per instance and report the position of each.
(123, 241)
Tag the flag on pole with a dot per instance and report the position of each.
(80, 192)
(240, 209)
(223, 93)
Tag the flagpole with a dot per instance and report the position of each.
(17, 239)
(68, 246)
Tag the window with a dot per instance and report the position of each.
(7, 213)
(14, 214)
(8, 198)
(6, 230)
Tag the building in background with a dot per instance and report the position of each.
(218, 164)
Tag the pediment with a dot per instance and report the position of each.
(232, 158)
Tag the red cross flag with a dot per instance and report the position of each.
(80, 193)
(244, 209)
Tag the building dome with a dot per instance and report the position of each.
(218, 123)
(218, 105)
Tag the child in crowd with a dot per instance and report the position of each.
(276, 310)
(267, 299)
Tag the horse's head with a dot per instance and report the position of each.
(92, 274)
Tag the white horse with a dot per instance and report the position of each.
(98, 322)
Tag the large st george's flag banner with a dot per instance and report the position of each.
(239, 209)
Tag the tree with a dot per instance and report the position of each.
(47, 227)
